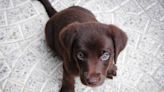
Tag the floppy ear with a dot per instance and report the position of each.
(119, 40)
(66, 39)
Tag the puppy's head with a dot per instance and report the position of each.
(92, 49)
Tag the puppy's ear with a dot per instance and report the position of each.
(66, 38)
(67, 35)
(119, 39)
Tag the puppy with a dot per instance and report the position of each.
(88, 48)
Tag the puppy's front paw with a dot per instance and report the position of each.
(63, 89)
(112, 72)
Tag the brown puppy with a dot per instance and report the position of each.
(88, 48)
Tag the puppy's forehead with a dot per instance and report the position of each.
(94, 40)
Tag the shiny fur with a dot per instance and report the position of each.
(75, 30)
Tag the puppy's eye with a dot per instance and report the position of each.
(105, 56)
(80, 55)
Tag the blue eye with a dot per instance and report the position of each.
(105, 56)
(80, 55)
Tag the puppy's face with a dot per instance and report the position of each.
(92, 48)
(93, 51)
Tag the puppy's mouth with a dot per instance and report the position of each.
(93, 81)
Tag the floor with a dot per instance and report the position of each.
(27, 65)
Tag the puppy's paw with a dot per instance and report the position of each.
(110, 76)
(112, 72)
(63, 89)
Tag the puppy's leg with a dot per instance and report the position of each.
(112, 72)
(67, 83)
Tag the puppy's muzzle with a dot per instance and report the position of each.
(93, 79)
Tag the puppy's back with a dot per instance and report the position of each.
(60, 20)
(72, 14)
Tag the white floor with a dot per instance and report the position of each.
(26, 65)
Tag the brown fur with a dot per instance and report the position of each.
(75, 30)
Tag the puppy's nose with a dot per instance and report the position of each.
(94, 78)
(96, 75)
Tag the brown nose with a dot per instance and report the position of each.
(94, 78)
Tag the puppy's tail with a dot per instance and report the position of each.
(49, 9)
